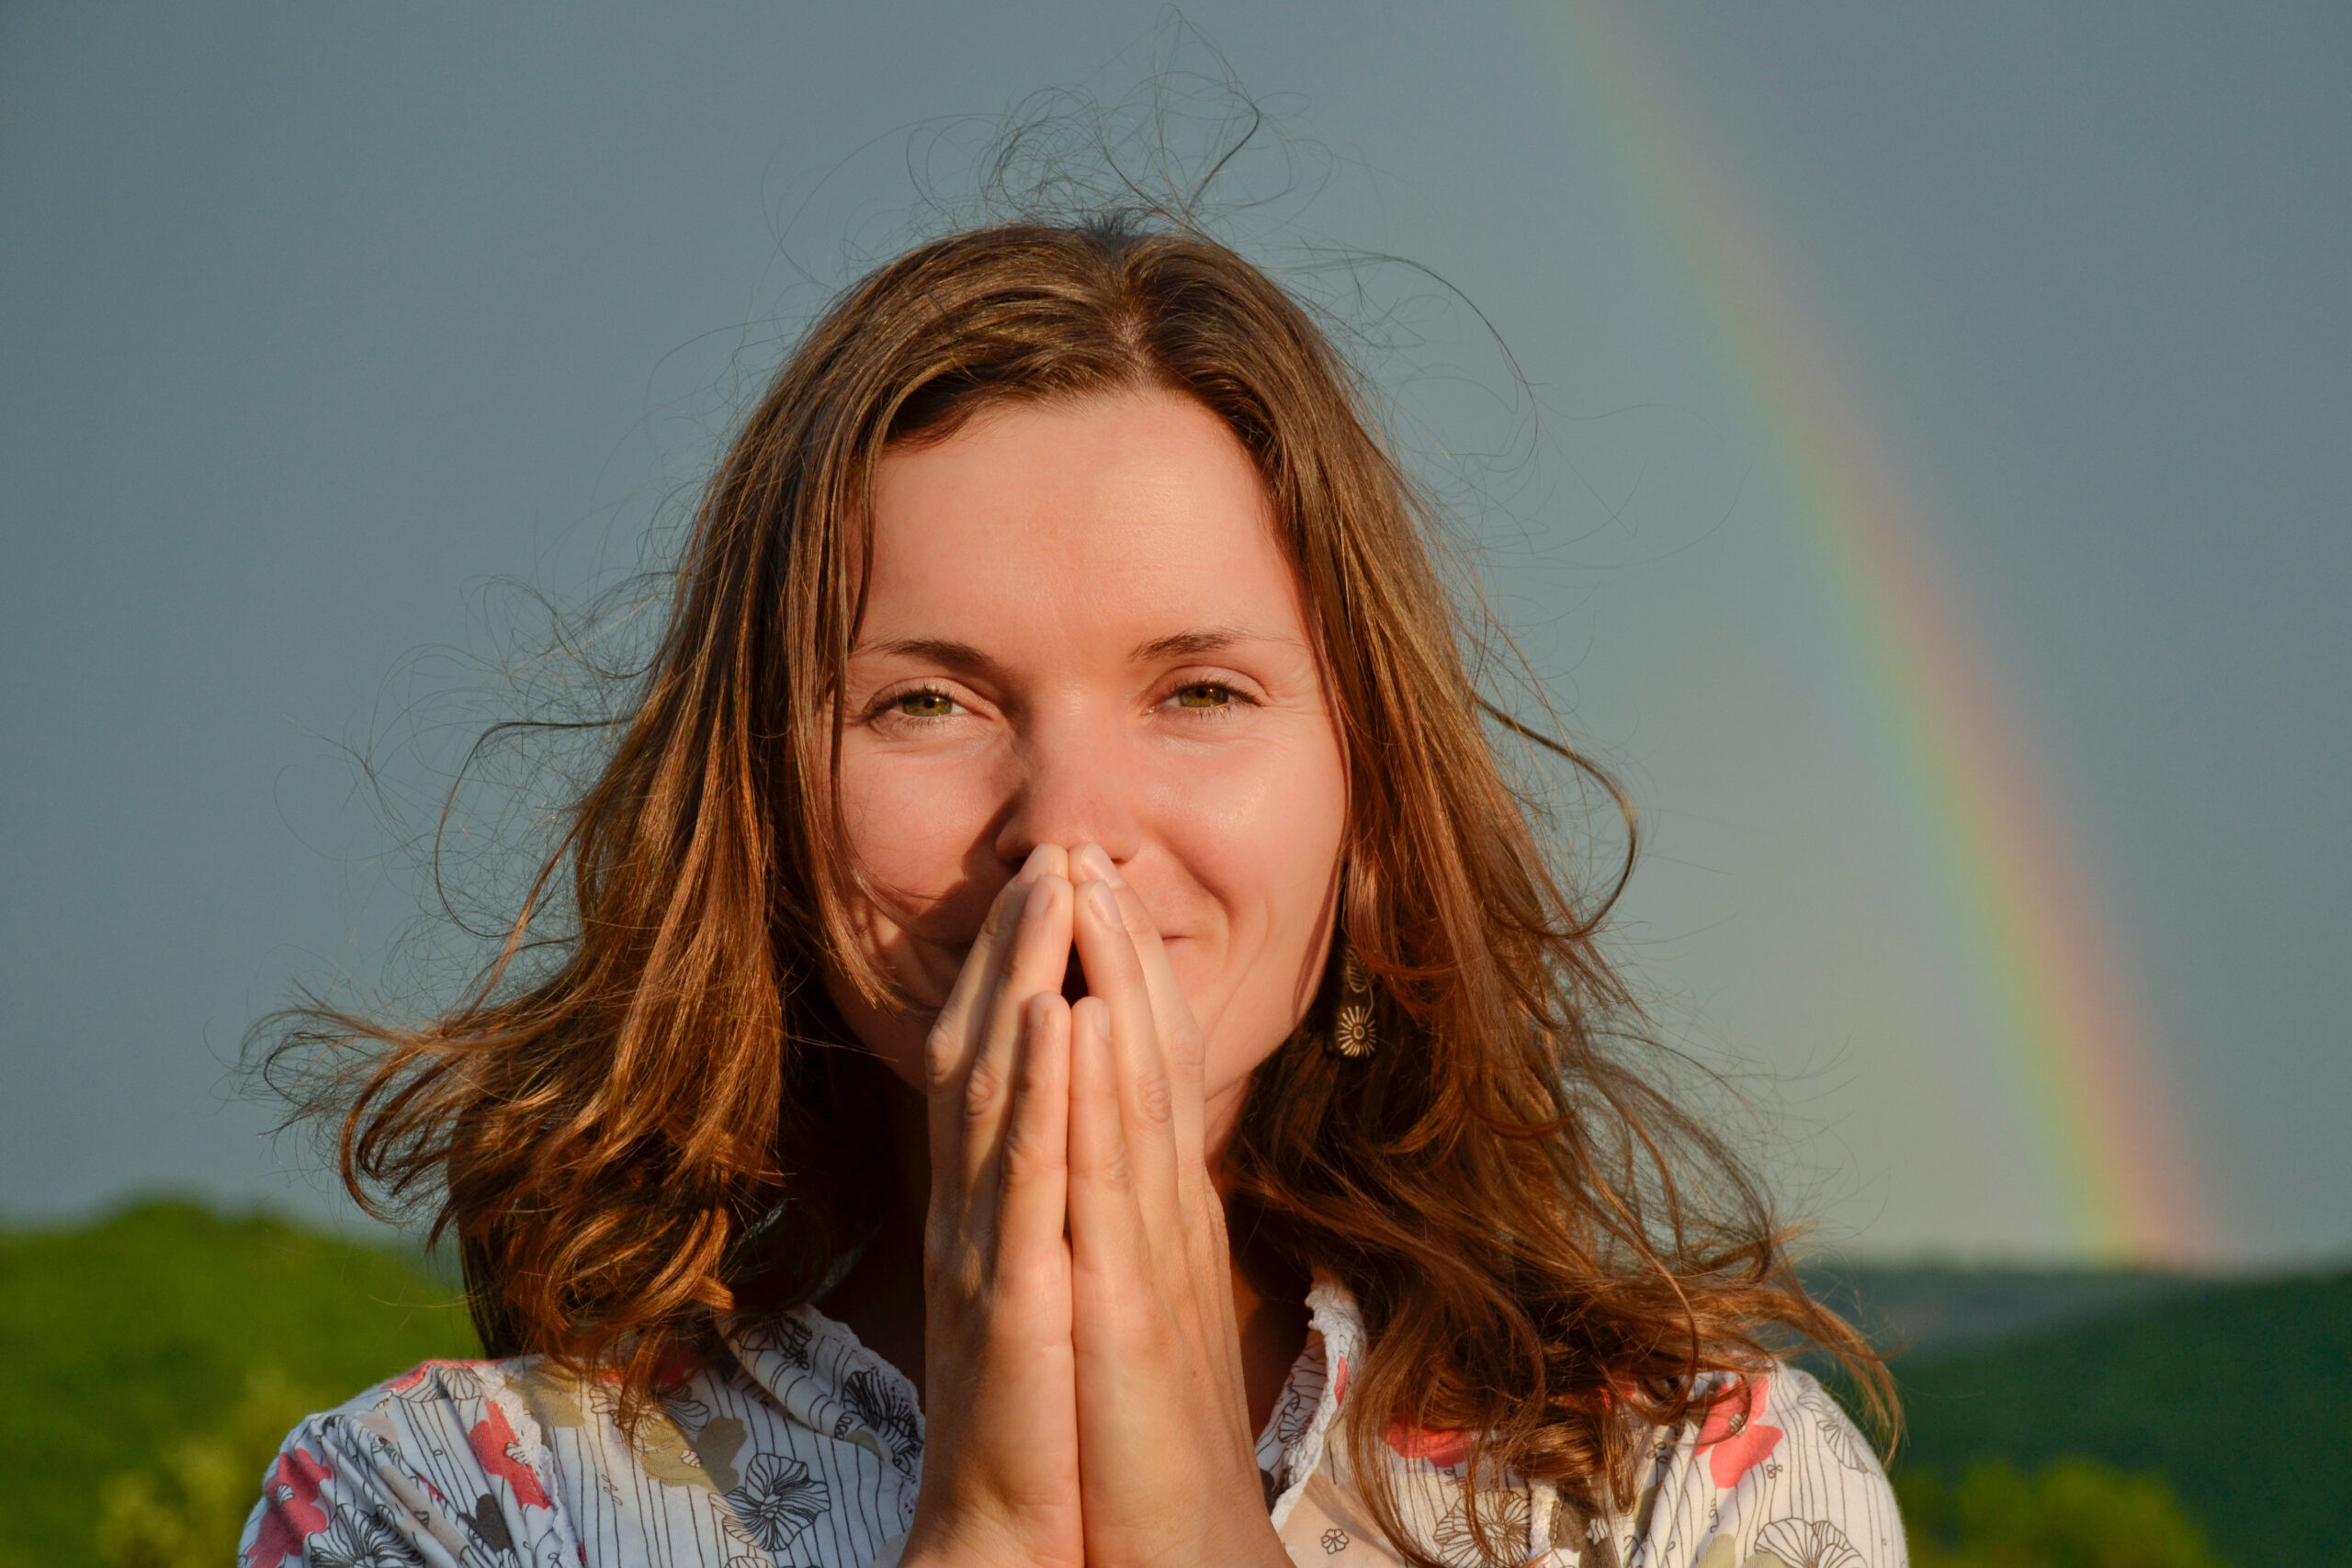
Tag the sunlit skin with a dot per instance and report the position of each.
(1084, 714)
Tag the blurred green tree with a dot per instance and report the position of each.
(188, 1511)
(129, 1349)
(2076, 1513)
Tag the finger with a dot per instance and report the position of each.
(1033, 1168)
(1178, 1036)
(950, 1041)
(947, 1050)
(1036, 962)
(1146, 1096)
(1105, 1224)
(1180, 1044)
(1181, 1053)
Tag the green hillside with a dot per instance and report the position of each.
(2235, 1393)
(152, 1359)
(121, 1341)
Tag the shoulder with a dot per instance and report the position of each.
(445, 1453)
(1775, 1475)
(1776, 1471)
(524, 1462)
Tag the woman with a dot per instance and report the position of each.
(1060, 1045)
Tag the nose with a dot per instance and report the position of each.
(1075, 785)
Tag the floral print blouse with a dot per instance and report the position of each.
(800, 1448)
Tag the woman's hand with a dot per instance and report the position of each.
(1166, 1459)
(1001, 1479)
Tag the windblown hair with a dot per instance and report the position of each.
(626, 1139)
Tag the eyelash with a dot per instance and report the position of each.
(889, 707)
(1230, 696)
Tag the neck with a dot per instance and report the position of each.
(881, 1298)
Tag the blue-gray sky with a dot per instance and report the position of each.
(314, 321)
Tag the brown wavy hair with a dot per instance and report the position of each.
(662, 1110)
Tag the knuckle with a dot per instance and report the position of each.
(955, 1267)
(983, 1089)
(1028, 1160)
(1155, 1101)
(940, 1054)
(1186, 1048)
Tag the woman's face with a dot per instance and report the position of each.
(1079, 629)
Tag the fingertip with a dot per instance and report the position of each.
(1091, 1048)
(1045, 923)
(1004, 911)
(1046, 859)
(1103, 905)
(1045, 1014)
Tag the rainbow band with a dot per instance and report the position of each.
(2064, 1046)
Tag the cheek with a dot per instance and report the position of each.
(914, 825)
(1263, 841)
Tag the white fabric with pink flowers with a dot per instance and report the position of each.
(800, 1448)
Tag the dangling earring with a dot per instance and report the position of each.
(1353, 1031)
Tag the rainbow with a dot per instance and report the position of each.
(2064, 1044)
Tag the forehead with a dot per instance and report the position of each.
(1045, 522)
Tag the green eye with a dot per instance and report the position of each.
(1203, 694)
(924, 704)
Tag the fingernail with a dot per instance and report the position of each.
(1036, 863)
(1106, 907)
(1098, 864)
(1039, 898)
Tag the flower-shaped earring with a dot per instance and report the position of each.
(1354, 1033)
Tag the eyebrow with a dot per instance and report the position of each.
(1180, 644)
(964, 656)
(936, 650)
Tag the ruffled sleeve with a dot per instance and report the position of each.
(440, 1467)
(1777, 1475)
